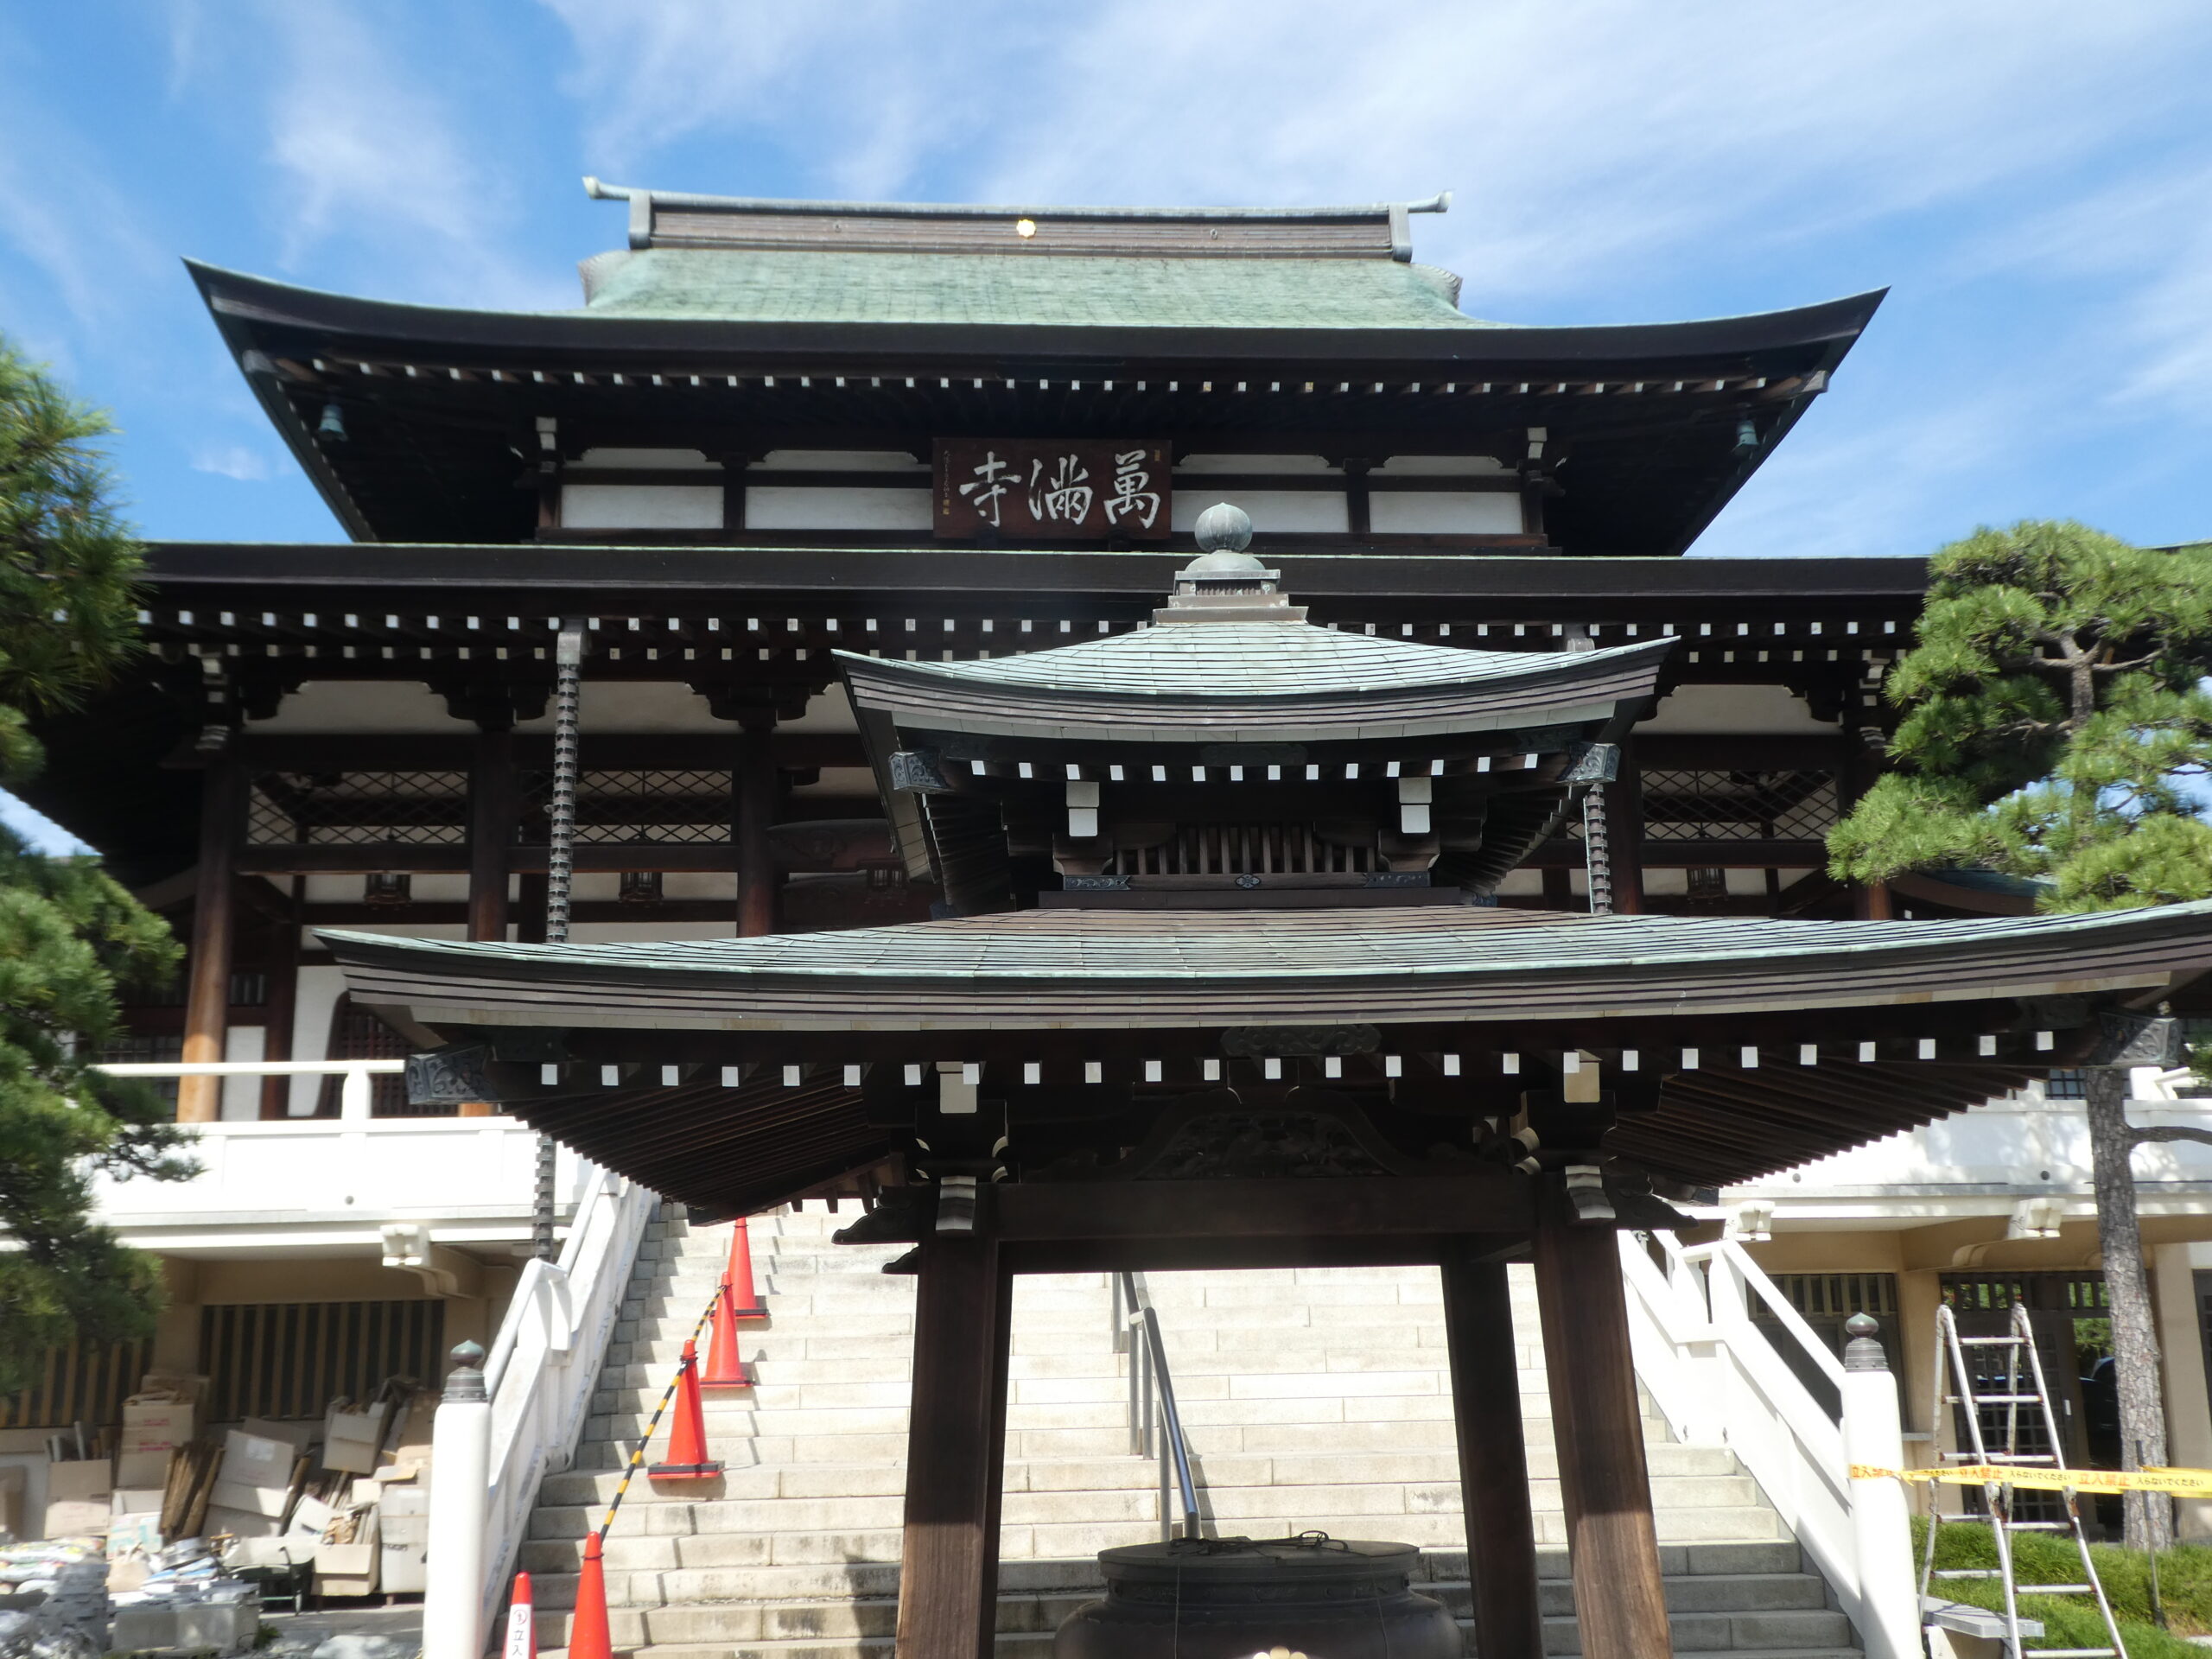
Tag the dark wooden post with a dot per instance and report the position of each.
(490, 827)
(1625, 796)
(281, 1011)
(753, 801)
(214, 927)
(490, 823)
(1620, 1599)
(956, 1450)
(1493, 1455)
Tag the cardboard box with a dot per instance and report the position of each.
(240, 1523)
(310, 1516)
(409, 1450)
(249, 1461)
(167, 1423)
(295, 1435)
(350, 1440)
(15, 1484)
(270, 1502)
(142, 1469)
(76, 1517)
(87, 1477)
(349, 1569)
(136, 1500)
(172, 1385)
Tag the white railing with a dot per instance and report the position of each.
(353, 1094)
(1719, 1380)
(543, 1365)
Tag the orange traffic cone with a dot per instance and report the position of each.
(747, 1308)
(522, 1622)
(725, 1368)
(687, 1436)
(588, 1636)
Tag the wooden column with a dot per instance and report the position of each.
(490, 823)
(282, 1006)
(1619, 1597)
(490, 827)
(1493, 1455)
(752, 803)
(1625, 796)
(956, 1450)
(214, 924)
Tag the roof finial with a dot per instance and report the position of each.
(1224, 526)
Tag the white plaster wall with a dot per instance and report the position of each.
(641, 506)
(784, 507)
(1442, 466)
(1439, 513)
(2181, 1344)
(839, 460)
(328, 706)
(1271, 510)
(829, 711)
(1749, 709)
(242, 1095)
(317, 999)
(605, 707)
(1309, 465)
(652, 460)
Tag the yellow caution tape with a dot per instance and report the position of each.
(2179, 1483)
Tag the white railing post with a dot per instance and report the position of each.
(1881, 1526)
(460, 1453)
(353, 1096)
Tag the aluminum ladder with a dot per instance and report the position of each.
(2019, 1385)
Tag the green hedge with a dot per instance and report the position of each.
(2184, 1586)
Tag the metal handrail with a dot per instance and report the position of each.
(1136, 1314)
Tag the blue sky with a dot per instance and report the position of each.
(2032, 180)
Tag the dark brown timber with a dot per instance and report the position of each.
(956, 1450)
(1619, 1597)
(1493, 1456)
(214, 912)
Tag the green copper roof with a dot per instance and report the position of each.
(1117, 291)
(1285, 658)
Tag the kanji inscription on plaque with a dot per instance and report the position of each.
(1082, 489)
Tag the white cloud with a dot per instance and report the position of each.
(235, 460)
(370, 157)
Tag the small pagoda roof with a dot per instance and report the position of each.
(1264, 678)
(1107, 970)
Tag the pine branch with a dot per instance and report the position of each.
(2172, 1132)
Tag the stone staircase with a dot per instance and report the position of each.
(1316, 1398)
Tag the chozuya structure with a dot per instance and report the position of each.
(1458, 914)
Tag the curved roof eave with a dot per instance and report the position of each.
(245, 300)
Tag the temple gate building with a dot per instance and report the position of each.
(1104, 741)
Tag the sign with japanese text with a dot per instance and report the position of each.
(1028, 489)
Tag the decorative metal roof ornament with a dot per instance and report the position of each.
(1225, 583)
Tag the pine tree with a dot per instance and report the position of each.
(71, 938)
(2056, 726)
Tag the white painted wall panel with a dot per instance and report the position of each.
(1444, 512)
(782, 506)
(1322, 510)
(641, 506)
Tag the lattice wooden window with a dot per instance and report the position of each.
(358, 808)
(357, 1034)
(1738, 805)
(289, 1360)
(83, 1383)
(668, 809)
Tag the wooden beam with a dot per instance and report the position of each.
(214, 924)
(1620, 1599)
(956, 1442)
(1493, 1454)
(1488, 1199)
